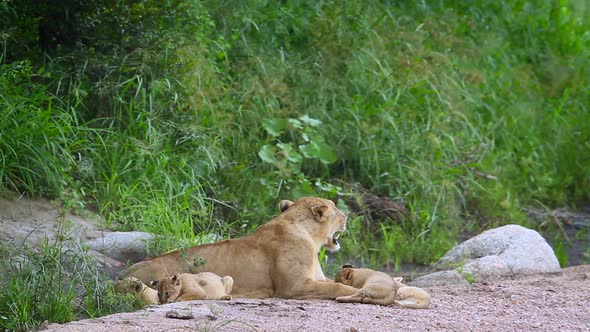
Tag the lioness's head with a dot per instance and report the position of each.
(325, 220)
(168, 288)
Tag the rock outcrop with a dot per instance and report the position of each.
(506, 251)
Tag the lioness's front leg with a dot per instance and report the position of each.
(357, 297)
(312, 289)
(296, 279)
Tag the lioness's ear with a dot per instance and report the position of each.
(319, 211)
(285, 204)
(398, 279)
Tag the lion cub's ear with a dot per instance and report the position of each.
(154, 283)
(137, 286)
(398, 281)
(285, 204)
(319, 211)
(349, 274)
(175, 280)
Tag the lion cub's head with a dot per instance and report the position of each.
(398, 282)
(325, 221)
(358, 277)
(201, 286)
(345, 276)
(354, 277)
(132, 285)
(168, 288)
(129, 285)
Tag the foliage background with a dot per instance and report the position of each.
(192, 118)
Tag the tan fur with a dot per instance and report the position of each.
(200, 286)
(410, 297)
(376, 287)
(279, 259)
(135, 286)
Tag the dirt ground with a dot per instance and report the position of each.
(539, 303)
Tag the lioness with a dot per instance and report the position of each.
(188, 286)
(279, 259)
(135, 286)
(376, 287)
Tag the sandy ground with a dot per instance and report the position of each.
(538, 303)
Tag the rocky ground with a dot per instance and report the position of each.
(540, 303)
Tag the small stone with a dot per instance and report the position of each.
(179, 314)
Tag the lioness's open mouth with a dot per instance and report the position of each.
(335, 237)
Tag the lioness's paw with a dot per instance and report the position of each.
(344, 298)
(354, 298)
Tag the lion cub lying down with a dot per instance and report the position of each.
(133, 285)
(199, 286)
(379, 288)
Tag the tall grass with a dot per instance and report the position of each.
(54, 283)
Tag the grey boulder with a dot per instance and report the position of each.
(122, 246)
(506, 251)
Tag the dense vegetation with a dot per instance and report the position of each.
(191, 118)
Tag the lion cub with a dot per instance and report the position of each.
(133, 285)
(379, 288)
(199, 286)
(410, 296)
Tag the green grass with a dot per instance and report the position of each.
(54, 283)
(194, 126)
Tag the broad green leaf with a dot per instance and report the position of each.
(285, 146)
(274, 126)
(305, 137)
(310, 121)
(341, 205)
(267, 154)
(296, 123)
(309, 151)
(303, 189)
(325, 152)
(327, 187)
(289, 152)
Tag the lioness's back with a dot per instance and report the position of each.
(242, 258)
